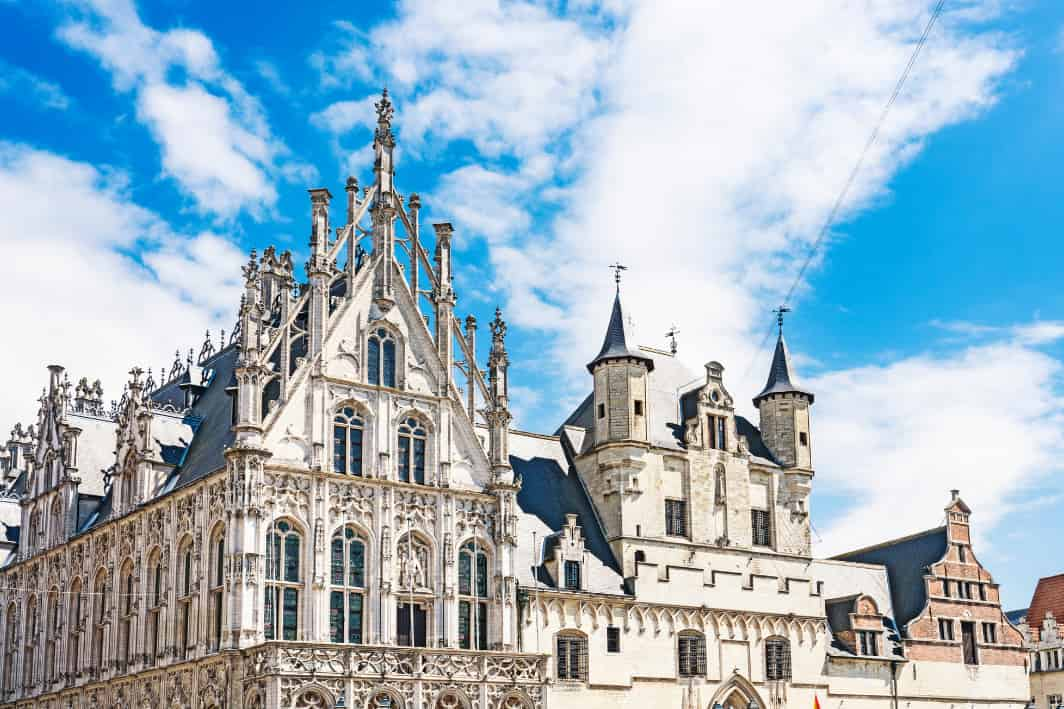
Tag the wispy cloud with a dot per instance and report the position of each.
(95, 300)
(1038, 332)
(25, 85)
(216, 142)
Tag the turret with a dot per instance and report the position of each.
(784, 409)
(620, 373)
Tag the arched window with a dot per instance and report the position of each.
(186, 636)
(450, 699)
(153, 642)
(126, 613)
(571, 657)
(55, 524)
(11, 621)
(472, 597)
(74, 643)
(380, 358)
(348, 578)
(385, 700)
(412, 443)
(99, 617)
(29, 662)
(777, 658)
(216, 587)
(283, 564)
(691, 653)
(348, 428)
(51, 639)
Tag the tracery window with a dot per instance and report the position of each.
(29, 662)
(154, 639)
(217, 587)
(449, 699)
(571, 657)
(384, 700)
(126, 609)
(347, 569)
(380, 358)
(473, 594)
(348, 431)
(74, 629)
(283, 564)
(777, 659)
(185, 634)
(99, 620)
(11, 621)
(51, 638)
(691, 654)
(412, 444)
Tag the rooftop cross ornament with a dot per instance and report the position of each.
(671, 334)
(617, 268)
(779, 315)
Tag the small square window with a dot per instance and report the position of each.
(602, 411)
(613, 639)
(803, 438)
(945, 629)
(638, 407)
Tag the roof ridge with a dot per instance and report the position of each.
(888, 543)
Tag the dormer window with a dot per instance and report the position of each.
(716, 427)
(869, 642)
(572, 575)
(380, 356)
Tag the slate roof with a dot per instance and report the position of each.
(1017, 616)
(615, 344)
(907, 561)
(781, 379)
(550, 489)
(838, 612)
(1048, 597)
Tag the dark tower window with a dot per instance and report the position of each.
(803, 438)
(613, 639)
(602, 411)
(638, 407)
(380, 351)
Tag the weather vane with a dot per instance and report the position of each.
(617, 268)
(671, 334)
(779, 315)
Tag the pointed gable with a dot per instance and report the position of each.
(615, 344)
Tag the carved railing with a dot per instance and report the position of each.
(386, 662)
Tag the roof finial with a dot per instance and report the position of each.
(779, 315)
(617, 268)
(671, 334)
(385, 111)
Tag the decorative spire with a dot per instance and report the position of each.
(385, 111)
(781, 378)
(671, 334)
(615, 344)
(498, 337)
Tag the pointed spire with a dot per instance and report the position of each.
(615, 345)
(385, 111)
(781, 379)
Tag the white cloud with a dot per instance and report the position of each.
(987, 420)
(215, 139)
(74, 294)
(22, 84)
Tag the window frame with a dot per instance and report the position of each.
(571, 646)
(377, 370)
(675, 517)
(474, 592)
(691, 654)
(868, 643)
(764, 539)
(571, 569)
(347, 422)
(613, 640)
(279, 588)
(216, 590)
(411, 432)
(350, 588)
(777, 658)
(946, 631)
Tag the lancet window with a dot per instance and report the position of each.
(126, 611)
(216, 589)
(413, 441)
(99, 619)
(11, 621)
(74, 629)
(348, 432)
(153, 640)
(283, 581)
(29, 662)
(51, 640)
(473, 594)
(380, 358)
(185, 634)
(348, 579)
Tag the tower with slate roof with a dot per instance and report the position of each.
(784, 410)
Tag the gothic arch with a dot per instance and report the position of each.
(451, 698)
(395, 701)
(737, 693)
(515, 699)
(314, 696)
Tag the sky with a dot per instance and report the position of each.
(146, 147)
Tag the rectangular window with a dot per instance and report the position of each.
(572, 575)
(355, 467)
(722, 440)
(945, 629)
(692, 655)
(982, 592)
(411, 615)
(613, 639)
(676, 518)
(602, 411)
(572, 657)
(336, 616)
(717, 427)
(762, 533)
(419, 461)
(465, 625)
(803, 438)
(404, 459)
(638, 407)
(1054, 700)
(968, 643)
(989, 633)
(869, 641)
(962, 556)
(945, 587)
(270, 613)
(354, 618)
(290, 614)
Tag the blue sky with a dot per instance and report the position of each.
(144, 148)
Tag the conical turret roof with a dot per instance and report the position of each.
(781, 379)
(615, 345)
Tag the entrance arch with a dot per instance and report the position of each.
(737, 693)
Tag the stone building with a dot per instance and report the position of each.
(330, 507)
(1044, 635)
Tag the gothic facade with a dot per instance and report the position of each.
(330, 508)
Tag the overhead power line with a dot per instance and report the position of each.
(845, 191)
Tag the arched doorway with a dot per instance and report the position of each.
(737, 693)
